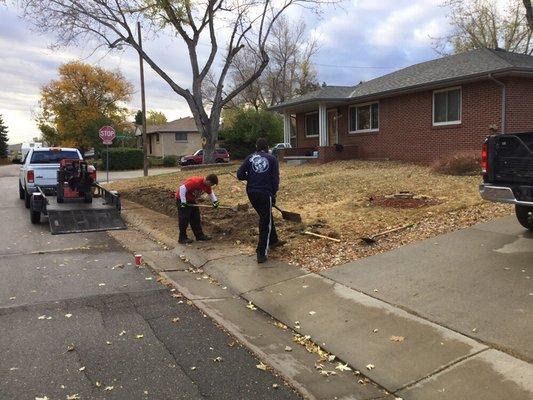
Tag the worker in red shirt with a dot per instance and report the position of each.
(186, 196)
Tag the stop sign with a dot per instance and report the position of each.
(107, 134)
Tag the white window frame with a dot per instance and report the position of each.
(375, 130)
(457, 122)
(305, 125)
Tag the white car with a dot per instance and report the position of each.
(39, 168)
(279, 146)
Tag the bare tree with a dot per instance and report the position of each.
(529, 14)
(244, 24)
(480, 23)
(290, 70)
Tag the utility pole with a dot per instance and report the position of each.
(143, 105)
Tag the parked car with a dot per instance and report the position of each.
(39, 169)
(221, 156)
(507, 164)
(279, 146)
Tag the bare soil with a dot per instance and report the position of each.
(345, 200)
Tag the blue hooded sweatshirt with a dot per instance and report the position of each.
(261, 171)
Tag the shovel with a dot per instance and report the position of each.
(373, 239)
(286, 215)
(240, 207)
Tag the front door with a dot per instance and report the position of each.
(333, 133)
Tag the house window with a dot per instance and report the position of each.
(364, 118)
(447, 106)
(157, 137)
(180, 136)
(311, 124)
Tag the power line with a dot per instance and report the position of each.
(353, 66)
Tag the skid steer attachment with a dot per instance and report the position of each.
(102, 214)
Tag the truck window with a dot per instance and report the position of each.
(53, 157)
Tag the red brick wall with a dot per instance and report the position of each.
(406, 131)
(301, 140)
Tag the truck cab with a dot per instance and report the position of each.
(39, 169)
(507, 164)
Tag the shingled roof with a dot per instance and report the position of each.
(185, 124)
(458, 67)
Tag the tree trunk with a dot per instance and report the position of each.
(210, 140)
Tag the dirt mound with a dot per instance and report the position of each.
(403, 202)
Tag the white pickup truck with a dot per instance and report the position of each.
(39, 169)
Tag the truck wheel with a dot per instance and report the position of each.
(21, 192)
(35, 217)
(524, 214)
(27, 198)
(219, 160)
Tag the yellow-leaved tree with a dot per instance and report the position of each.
(83, 99)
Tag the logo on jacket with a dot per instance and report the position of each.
(259, 163)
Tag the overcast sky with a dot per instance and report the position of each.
(361, 40)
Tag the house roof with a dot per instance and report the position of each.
(186, 124)
(457, 67)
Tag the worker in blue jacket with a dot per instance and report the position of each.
(261, 172)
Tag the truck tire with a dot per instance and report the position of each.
(524, 214)
(27, 198)
(21, 192)
(35, 217)
(219, 160)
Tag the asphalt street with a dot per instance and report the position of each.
(78, 318)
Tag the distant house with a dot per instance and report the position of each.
(178, 138)
(417, 114)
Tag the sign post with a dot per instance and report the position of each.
(107, 134)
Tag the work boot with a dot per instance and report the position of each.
(261, 259)
(277, 244)
(185, 240)
(203, 238)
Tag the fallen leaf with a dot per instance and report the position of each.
(13, 369)
(149, 278)
(375, 330)
(122, 333)
(101, 284)
(218, 359)
(68, 315)
(312, 312)
(280, 325)
(81, 369)
(109, 388)
(261, 366)
(75, 396)
(275, 386)
(251, 306)
(288, 348)
(12, 298)
(118, 266)
(474, 330)
(177, 295)
(397, 338)
(193, 368)
(71, 347)
(42, 317)
(108, 343)
(343, 367)
(97, 384)
(176, 319)
(42, 398)
(370, 367)
(375, 290)
(140, 336)
(331, 358)
(327, 373)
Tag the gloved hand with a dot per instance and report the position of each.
(216, 204)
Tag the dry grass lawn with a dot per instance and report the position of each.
(345, 200)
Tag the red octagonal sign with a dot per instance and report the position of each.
(107, 134)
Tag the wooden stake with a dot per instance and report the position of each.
(321, 236)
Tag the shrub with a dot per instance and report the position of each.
(123, 158)
(155, 161)
(460, 163)
(170, 161)
(245, 125)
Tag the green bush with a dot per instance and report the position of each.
(170, 161)
(123, 158)
(460, 163)
(155, 161)
(245, 125)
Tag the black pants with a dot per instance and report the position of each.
(262, 203)
(186, 216)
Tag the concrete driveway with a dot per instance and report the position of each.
(476, 281)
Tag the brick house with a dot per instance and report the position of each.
(417, 114)
(177, 138)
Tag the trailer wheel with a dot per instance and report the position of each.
(21, 192)
(35, 217)
(524, 214)
(27, 198)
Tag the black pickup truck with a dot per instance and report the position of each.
(507, 164)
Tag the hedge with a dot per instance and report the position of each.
(170, 161)
(122, 158)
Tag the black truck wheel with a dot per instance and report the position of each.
(21, 192)
(524, 214)
(35, 217)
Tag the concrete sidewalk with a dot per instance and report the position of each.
(404, 353)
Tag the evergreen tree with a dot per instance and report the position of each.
(3, 138)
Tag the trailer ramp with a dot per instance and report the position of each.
(84, 220)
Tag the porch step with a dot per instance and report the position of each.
(298, 160)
